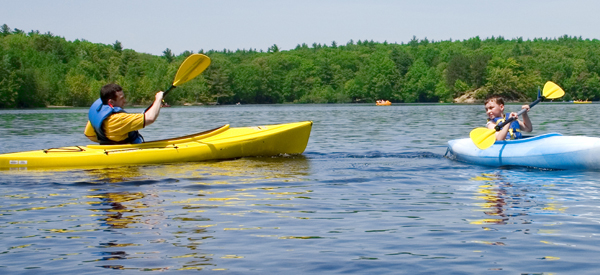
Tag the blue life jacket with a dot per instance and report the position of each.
(514, 130)
(98, 113)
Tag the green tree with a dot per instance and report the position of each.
(381, 77)
(300, 80)
(402, 60)
(420, 84)
(273, 49)
(5, 30)
(217, 77)
(195, 91)
(168, 55)
(9, 84)
(478, 68)
(458, 69)
(473, 43)
(117, 46)
(516, 51)
(246, 82)
(79, 88)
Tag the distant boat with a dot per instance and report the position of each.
(383, 103)
(582, 102)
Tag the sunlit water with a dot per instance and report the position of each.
(372, 194)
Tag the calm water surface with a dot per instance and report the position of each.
(372, 194)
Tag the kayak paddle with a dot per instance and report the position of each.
(484, 137)
(191, 67)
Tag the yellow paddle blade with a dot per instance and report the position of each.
(483, 137)
(190, 68)
(552, 91)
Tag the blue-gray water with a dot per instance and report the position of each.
(372, 194)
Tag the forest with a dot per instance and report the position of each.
(40, 70)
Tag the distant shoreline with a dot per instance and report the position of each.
(58, 106)
(362, 103)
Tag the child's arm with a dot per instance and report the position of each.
(500, 135)
(526, 125)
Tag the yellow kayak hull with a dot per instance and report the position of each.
(220, 143)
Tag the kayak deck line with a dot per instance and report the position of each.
(106, 151)
(156, 143)
(220, 143)
(66, 149)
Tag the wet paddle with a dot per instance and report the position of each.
(191, 67)
(484, 137)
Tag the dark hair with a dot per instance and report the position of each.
(109, 91)
(496, 98)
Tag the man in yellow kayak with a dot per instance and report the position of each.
(110, 124)
(494, 107)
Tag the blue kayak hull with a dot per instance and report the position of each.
(549, 151)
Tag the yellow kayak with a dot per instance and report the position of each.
(220, 143)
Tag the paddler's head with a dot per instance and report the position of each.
(112, 95)
(494, 107)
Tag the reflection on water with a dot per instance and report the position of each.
(144, 211)
(131, 224)
(493, 193)
(116, 211)
(504, 202)
(114, 205)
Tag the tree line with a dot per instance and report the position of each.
(38, 70)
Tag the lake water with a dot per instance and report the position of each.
(372, 194)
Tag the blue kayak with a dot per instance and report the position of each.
(548, 151)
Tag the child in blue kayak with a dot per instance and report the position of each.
(494, 107)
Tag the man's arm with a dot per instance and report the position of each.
(152, 114)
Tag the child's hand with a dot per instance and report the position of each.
(526, 107)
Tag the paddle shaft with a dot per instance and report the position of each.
(168, 90)
(164, 94)
(502, 124)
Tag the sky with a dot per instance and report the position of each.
(151, 26)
